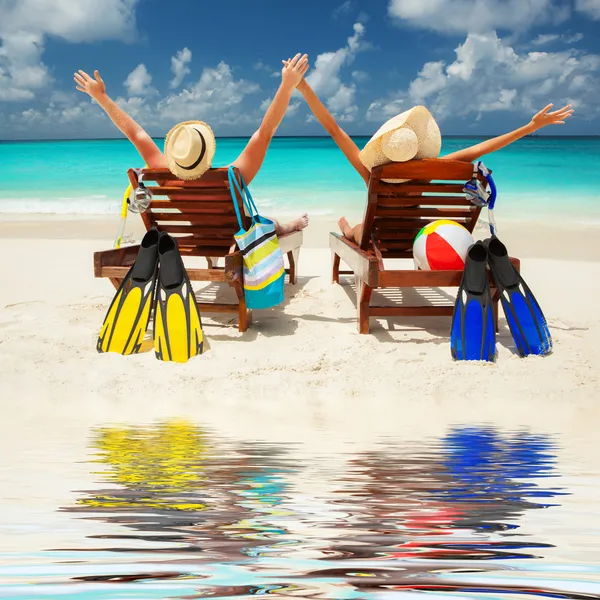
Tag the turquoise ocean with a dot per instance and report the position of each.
(538, 178)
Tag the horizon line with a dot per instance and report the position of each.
(233, 137)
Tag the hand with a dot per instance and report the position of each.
(294, 70)
(94, 87)
(556, 117)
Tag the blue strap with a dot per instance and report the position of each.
(244, 195)
(233, 185)
(250, 201)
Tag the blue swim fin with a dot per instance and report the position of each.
(523, 313)
(473, 335)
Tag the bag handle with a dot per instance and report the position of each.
(244, 195)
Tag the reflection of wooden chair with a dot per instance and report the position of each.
(201, 215)
(395, 213)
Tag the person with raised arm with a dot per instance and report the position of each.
(189, 137)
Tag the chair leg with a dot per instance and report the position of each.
(116, 282)
(336, 268)
(293, 257)
(363, 299)
(245, 315)
(495, 307)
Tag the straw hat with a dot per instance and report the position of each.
(189, 149)
(412, 134)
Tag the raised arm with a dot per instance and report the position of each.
(540, 120)
(340, 137)
(253, 155)
(145, 145)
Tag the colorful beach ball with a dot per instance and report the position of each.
(442, 246)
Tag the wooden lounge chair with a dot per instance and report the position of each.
(201, 215)
(394, 215)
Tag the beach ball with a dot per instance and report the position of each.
(442, 246)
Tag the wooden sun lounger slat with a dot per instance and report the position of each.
(212, 178)
(404, 224)
(428, 169)
(385, 189)
(388, 235)
(193, 249)
(209, 219)
(194, 213)
(215, 194)
(196, 242)
(400, 201)
(183, 206)
(206, 232)
(439, 213)
(411, 311)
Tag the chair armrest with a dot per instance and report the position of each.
(123, 257)
(291, 241)
(364, 265)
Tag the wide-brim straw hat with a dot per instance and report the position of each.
(189, 149)
(412, 134)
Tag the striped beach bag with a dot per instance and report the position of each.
(264, 271)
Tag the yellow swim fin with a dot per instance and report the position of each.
(129, 313)
(178, 332)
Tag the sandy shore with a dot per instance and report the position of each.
(51, 308)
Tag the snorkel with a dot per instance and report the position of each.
(478, 195)
(134, 200)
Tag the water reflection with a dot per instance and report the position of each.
(203, 516)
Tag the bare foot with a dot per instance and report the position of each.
(296, 225)
(345, 228)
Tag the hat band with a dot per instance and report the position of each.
(202, 153)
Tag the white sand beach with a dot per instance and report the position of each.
(307, 349)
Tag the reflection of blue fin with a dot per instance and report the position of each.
(523, 314)
(473, 335)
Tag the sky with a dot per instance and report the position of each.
(482, 67)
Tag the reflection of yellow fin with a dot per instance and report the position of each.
(178, 334)
(129, 313)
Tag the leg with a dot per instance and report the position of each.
(116, 282)
(336, 269)
(495, 307)
(363, 298)
(354, 234)
(296, 225)
(245, 316)
(293, 258)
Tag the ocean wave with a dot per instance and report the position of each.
(83, 205)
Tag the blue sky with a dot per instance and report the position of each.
(481, 66)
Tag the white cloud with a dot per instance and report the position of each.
(138, 81)
(360, 76)
(489, 75)
(344, 8)
(259, 65)
(545, 38)
(266, 103)
(292, 109)
(325, 78)
(25, 25)
(342, 103)
(549, 38)
(590, 7)
(179, 66)
(477, 16)
(216, 97)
